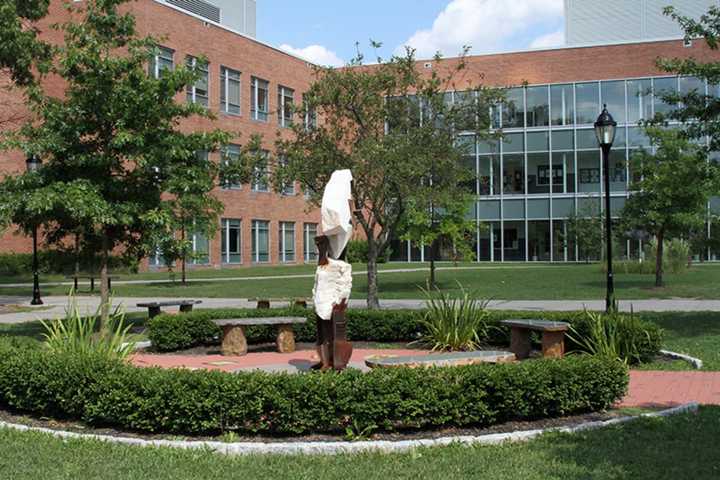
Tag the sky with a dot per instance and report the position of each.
(326, 31)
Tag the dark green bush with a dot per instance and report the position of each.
(174, 332)
(113, 394)
(357, 252)
(59, 262)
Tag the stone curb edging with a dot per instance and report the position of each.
(333, 448)
(695, 362)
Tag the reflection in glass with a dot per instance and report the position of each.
(513, 109)
(661, 88)
(639, 99)
(613, 95)
(562, 140)
(537, 106)
(513, 143)
(588, 175)
(489, 175)
(563, 172)
(538, 173)
(539, 240)
(618, 171)
(562, 105)
(538, 141)
(513, 178)
(587, 99)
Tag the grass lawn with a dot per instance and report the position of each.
(506, 282)
(645, 449)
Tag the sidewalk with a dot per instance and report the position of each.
(58, 304)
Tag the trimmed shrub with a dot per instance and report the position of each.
(175, 332)
(357, 252)
(59, 261)
(102, 392)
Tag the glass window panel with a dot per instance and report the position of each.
(466, 144)
(513, 241)
(620, 140)
(513, 174)
(637, 137)
(618, 171)
(514, 209)
(586, 139)
(690, 84)
(661, 87)
(513, 109)
(484, 234)
(587, 102)
(562, 104)
(229, 91)
(286, 239)
(563, 207)
(616, 206)
(613, 96)
(538, 141)
(537, 106)
(259, 106)
(513, 142)
(588, 176)
(198, 92)
(488, 146)
(465, 105)
(489, 210)
(309, 248)
(230, 245)
(639, 99)
(563, 172)
(563, 140)
(231, 153)
(469, 184)
(489, 175)
(260, 240)
(538, 173)
(538, 208)
(161, 60)
(201, 249)
(539, 241)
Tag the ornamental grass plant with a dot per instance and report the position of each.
(81, 335)
(454, 323)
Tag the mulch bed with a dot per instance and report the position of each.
(271, 347)
(79, 427)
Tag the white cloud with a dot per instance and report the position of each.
(552, 39)
(486, 25)
(316, 54)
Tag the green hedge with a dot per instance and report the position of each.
(59, 261)
(175, 332)
(111, 394)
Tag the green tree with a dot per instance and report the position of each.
(671, 190)
(391, 125)
(111, 144)
(21, 51)
(585, 228)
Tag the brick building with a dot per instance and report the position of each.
(547, 166)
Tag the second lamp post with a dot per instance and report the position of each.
(605, 133)
(33, 164)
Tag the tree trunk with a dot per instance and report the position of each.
(104, 290)
(659, 259)
(433, 249)
(77, 254)
(372, 292)
(183, 270)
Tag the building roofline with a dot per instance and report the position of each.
(236, 32)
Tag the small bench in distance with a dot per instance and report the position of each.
(553, 337)
(155, 308)
(452, 359)
(91, 277)
(235, 343)
(264, 302)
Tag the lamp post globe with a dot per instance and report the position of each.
(33, 164)
(605, 127)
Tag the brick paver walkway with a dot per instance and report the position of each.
(647, 388)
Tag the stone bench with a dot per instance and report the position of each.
(553, 337)
(264, 302)
(155, 308)
(91, 277)
(235, 343)
(452, 359)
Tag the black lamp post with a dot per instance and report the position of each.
(605, 133)
(33, 164)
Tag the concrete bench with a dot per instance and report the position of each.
(264, 302)
(452, 359)
(155, 308)
(91, 277)
(235, 343)
(553, 337)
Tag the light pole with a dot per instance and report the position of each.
(605, 133)
(33, 164)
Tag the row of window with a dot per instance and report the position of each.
(231, 243)
(230, 90)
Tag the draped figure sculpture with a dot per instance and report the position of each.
(333, 277)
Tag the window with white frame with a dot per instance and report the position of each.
(285, 106)
(231, 241)
(260, 234)
(200, 248)
(157, 259)
(161, 59)
(289, 187)
(260, 181)
(198, 92)
(230, 154)
(286, 239)
(229, 91)
(310, 252)
(259, 99)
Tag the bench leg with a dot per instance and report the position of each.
(263, 304)
(520, 342)
(300, 303)
(75, 284)
(285, 339)
(553, 344)
(154, 312)
(186, 308)
(234, 341)
(92, 284)
(109, 285)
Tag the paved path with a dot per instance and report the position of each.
(54, 307)
(652, 389)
